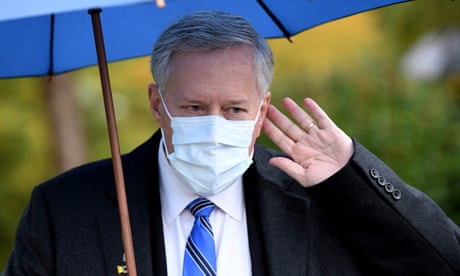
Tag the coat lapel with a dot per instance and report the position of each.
(280, 219)
(112, 248)
(284, 230)
(141, 177)
(110, 231)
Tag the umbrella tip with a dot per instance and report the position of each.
(160, 3)
(290, 39)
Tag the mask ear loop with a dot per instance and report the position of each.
(251, 155)
(164, 104)
(258, 111)
(170, 118)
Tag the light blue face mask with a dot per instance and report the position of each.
(210, 152)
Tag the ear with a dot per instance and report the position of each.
(155, 102)
(263, 113)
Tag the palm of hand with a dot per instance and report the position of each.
(316, 152)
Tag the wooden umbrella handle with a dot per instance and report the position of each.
(114, 144)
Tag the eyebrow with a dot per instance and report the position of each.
(188, 99)
(238, 102)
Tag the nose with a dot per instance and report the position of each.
(215, 110)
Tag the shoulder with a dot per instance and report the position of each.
(78, 179)
(93, 178)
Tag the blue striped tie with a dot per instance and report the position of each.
(200, 252)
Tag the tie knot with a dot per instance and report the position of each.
(201, 207)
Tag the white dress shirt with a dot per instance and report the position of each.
(228, 221)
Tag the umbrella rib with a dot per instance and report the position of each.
(51, 50)
(275, 20)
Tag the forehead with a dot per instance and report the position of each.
(240, 54)
(229, 70)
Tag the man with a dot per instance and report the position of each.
(325, 207)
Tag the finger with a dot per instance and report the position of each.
(320, 116)
(292, 168)
(278, 137)
(285, 124)
(304, 120)
(286, 165)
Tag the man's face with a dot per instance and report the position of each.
(218, 83)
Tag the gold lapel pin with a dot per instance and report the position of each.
(122, 269)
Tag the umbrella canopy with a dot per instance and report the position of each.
(52, 37)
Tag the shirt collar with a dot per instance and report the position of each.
(175, 195)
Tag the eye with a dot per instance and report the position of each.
(236, 109)
(194, 108)
(236, 113)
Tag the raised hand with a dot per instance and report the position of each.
(318, 148)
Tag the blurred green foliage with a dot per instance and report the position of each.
(413, 126)
(409, 21)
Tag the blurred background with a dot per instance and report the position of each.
(389, 78)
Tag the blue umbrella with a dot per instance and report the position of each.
(41, 38)
(51, 37)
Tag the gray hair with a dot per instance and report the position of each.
(207, 31)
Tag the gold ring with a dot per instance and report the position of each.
(307, 128)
